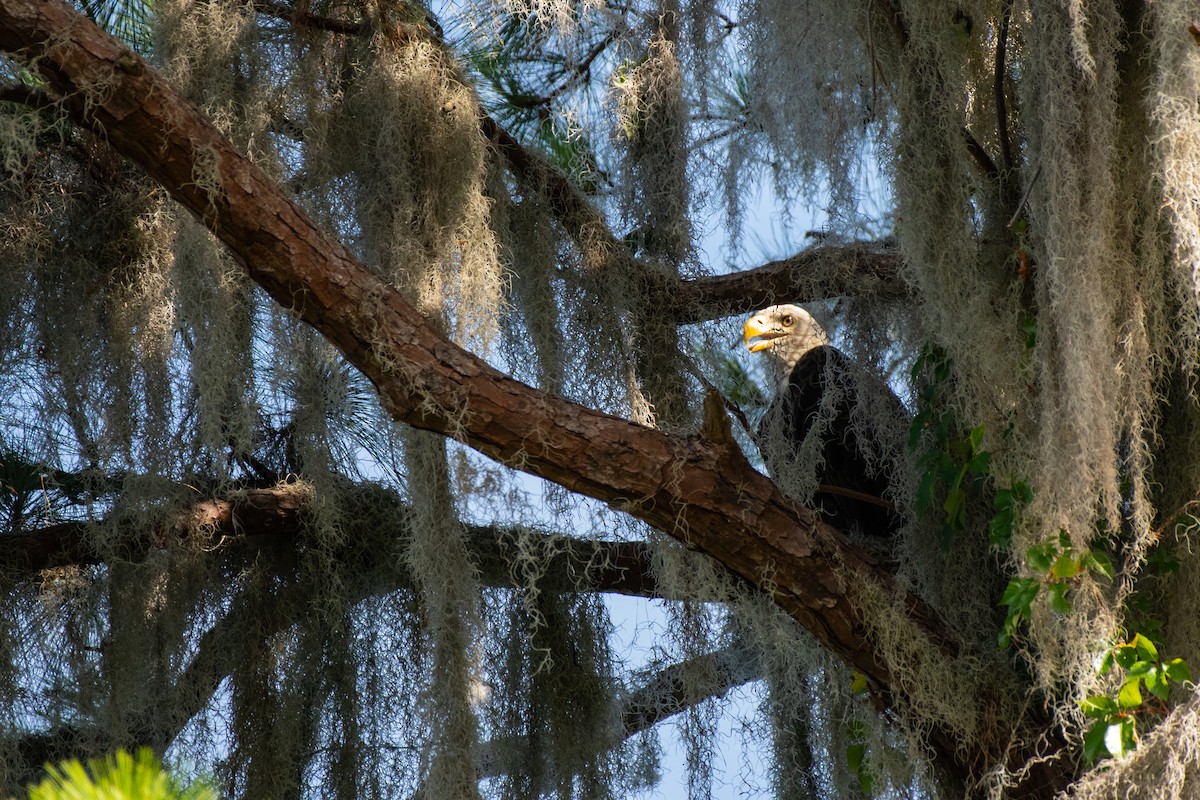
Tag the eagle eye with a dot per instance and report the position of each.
(787, 320)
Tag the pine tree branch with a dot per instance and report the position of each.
(862, 269)
(601, 249)
(263, 519)
(277, 514)
(706, 494)
(816, 274)
(713, 494)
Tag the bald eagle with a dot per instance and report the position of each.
(817, 394)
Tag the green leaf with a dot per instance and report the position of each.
(1145, 648)
(980, 463)
(1125, 655)
(941, 369)
(1099, 706)
(1000, 531)
(866, 782)
(1094, 747)
(955, 506)
(976, 437)
(1106, 663)
(1177, 670)
(855, 754)
(1156, 682)
(925, 490)
(1141, 668)
(1128, 736)
(1064, 567)
(1020, 594)
(1041, 556)
(1130, 695)
(918, 366)
(1029, 328)
(1097, 561)
(1004, 500)
(1058, 598)
(118, 776)
(920, 421)
(1161, 559)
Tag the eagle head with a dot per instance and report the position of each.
(784, 334)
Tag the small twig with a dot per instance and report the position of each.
(581, 69)
(1025, 198)
(826, 488)
(712, 390)
(896, 21)
(1187, 508)
(980, 155)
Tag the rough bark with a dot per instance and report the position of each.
(700, 491)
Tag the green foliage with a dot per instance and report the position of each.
(128, 20)
(524, 81)
(118, 777)
(856, 756)
(32, 492)
(1115, 731)
(1058, 566)
(1143, 607)
(1008, 504)
(954, 467)
(1141, 697)
(739, 385)
(1029, 330)
(954, 471)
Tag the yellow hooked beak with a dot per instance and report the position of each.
(759, 335)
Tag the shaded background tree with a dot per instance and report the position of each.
(223, 545)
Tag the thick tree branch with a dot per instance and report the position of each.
(703, 493)
(307, 19)
(265, 518)
(583, 222)
(696, 491)
(277, 513)
(857, 270)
